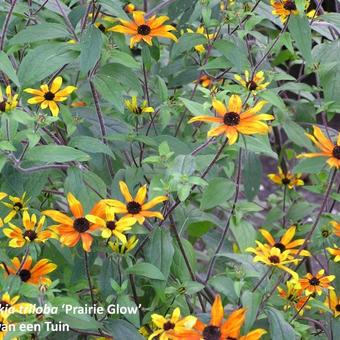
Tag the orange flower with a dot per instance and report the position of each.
(233, 121)
(230, 329)
(312, 284)
(72, 230)
(327, 147)
(205, 81)
(136, 207)
(34, 275)
(336, 228)
(285, 8)
(286, 179)
(335, 252)
(333, 303)
(144, 29)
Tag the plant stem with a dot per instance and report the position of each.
(299, 310)
(261, 280)
(87, 272)
(6, 23)
(23, 261)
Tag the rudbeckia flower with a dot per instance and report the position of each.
(17, 205)
(312, 284)
(286, 179)
(9, 102)
(129, 8)
(333, 303)
(144, 29)
(124, 247)
(34, 275)
(327, 147)
(136, 207)
(111, 226)
(201, 30)
(76, 228)
(6, 302)
(293, 294)
(133, 106)
(285, 243)
(32, 231)
(232, 120)
(285, 8)
(48, 96)
(205, 81)
(174, 327)
(273, 257)
(334, 252)
(229, 329)
(255, 84)
(336, 227)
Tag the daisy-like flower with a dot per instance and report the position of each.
(336, 227)
(111, 225)
(76, 228)
(17, 205)
(174, 327)
(136, 207)
(205, 81)
(293, 294)
(32, 231)
(201, 30)
(254, 84)
(327, 147)
(285, 243)
(334, 252)
(49, 96)
(313, 284)
(229, 329)
(273, 257)
(34, 275)
(124, 247)
(129, 8)
(133, 106)
(286, 179)
(333, 303)
(9, 102)
(6, 302)
(144, 29)
(233, 121)
(285, 8)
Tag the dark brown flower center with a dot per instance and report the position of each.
(231, 118)
(101, 27)
(281, 246)
(289, 5)
(81, 224)
(168, 325)
(4, 305)
(314, 281)
(17, 206)
(30, 234)
(111, 225)
(134, 207)
(336, 152)
(3, 106)
(251, 85)
(211, 333)
(285, 181)
(337, 307)
(25, 275)
(143, 30)
(325, 233)
(274, 259)
(49, 95)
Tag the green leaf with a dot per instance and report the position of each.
(252, 174)
(186, 42)
(297, 134)
(39, 32)
(121, 329)
(218, 191)
(90, 144)
(147, 270)
(252, 300)
(7, 67)
(55, 153)
(90, 48)
(300, 30)
(123, 58)
(310, 165)
(279, 328)
(124, 300)
(195, 108)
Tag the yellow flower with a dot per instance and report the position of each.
(201, 30)
(327, 147)
(336, 227)
(123, 248)
(274, 257)
(285, 243)
(286, 179)
(255, 84)
(133, 106)
(136, 207)
(333, 303)
(285, 8)
(31, 232)
(48, 96)
(334, 252)
(312, 284)
(174, 327)
(129, 8)
(6, 302)
(205, 81)
(111, 225)
(233, 120)
(144, 29)
(17, 206)
(9, 102)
